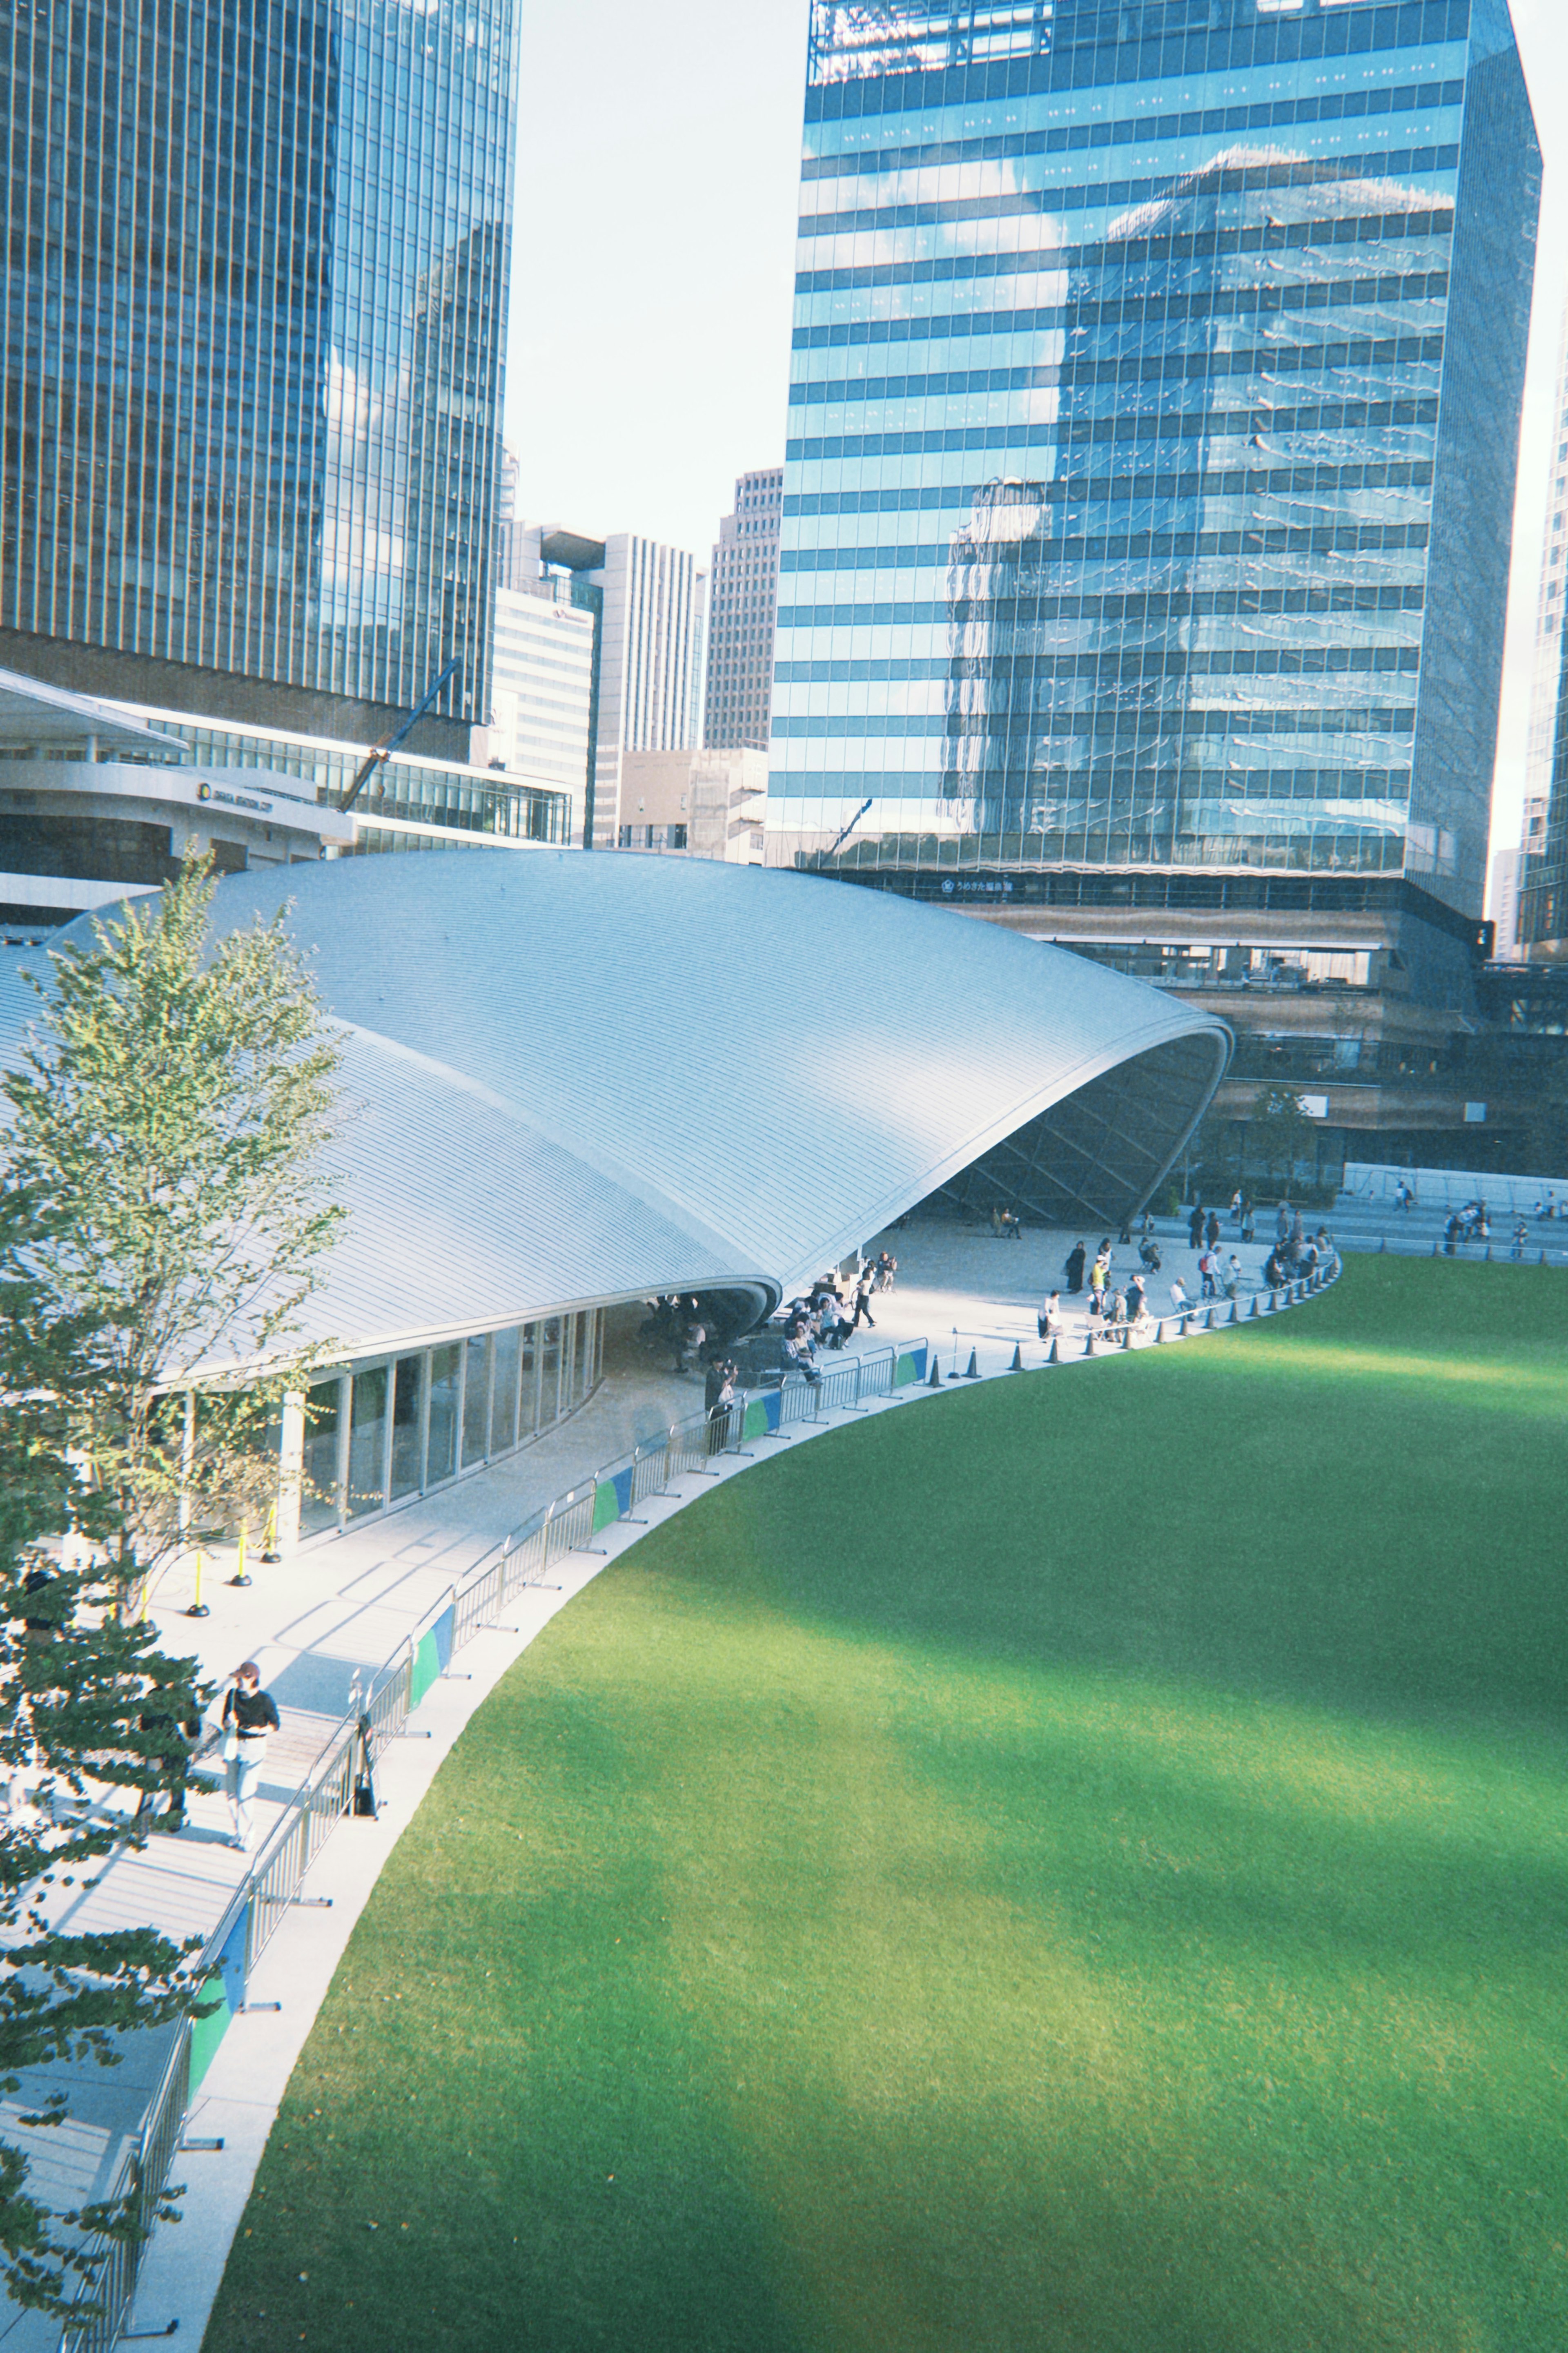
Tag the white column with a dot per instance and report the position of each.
(290, 1472)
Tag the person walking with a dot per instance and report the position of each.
(887, 1267)
(1073, 1269)
(1211, 1230)
(863, 1299)
(1232, 1276)
(248, 1716)
(1196, 1227)
(176, 1727)
(1248, 1221)
(1099, 1277)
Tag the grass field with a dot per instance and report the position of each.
(1080, 1863)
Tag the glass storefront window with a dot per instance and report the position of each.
(503, 1403)
(407, 1427)
(441, 1457)
(323, 1416)
(476, 1398)
(549, 1370)
(367, 1441)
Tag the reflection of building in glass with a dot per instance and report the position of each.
(1150, 468)
(227, 379)
(1219, 358)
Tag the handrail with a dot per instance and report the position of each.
(516, 1561)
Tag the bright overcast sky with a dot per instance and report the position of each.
(656, 182)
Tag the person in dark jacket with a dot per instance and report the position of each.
(177, 1727)
(1196, 1227)
(249, 1715)
(1073, 1269)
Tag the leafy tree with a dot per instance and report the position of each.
(162, 1223)
(1281, 1132)
(166, 1123)
(84, 1702)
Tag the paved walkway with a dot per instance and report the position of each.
(345, 1604)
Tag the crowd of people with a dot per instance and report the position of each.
(1294, 1254)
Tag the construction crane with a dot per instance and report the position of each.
(384, 750)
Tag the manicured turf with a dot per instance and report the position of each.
(1078, 1864)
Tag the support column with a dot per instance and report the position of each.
(291, 1472)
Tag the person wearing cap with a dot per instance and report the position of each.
(248, 1716)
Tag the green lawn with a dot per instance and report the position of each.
(1080, 1863)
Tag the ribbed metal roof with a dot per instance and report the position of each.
(580, 1077)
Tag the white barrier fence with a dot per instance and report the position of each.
(1451, 1188)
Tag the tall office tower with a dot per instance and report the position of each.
(652, 641)
(742, 600)
(250, 355)
(1510, 870)
(1541, 864)
(1153, 425)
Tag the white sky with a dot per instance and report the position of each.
(658, 161)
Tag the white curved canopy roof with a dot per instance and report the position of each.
(577, 1078)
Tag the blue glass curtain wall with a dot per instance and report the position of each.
(252, 335)
(1152, 431)
(376, 1433)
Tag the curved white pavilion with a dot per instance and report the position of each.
(578, 1079)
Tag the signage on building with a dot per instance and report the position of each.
(205, 791)
(1315, 1106)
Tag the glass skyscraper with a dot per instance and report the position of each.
(1153, 434)
(251, 350)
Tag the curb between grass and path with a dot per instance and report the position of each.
(218, 2146)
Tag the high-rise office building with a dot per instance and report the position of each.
(1540, 865)
(742, 600)
(541, 687)
(1511, 869)
(250, 355)
(1148, 485)
(652, 636)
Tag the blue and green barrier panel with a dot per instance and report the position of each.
(432, 1656)
(910, 1367)
(225, 1985)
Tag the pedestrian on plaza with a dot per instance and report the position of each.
(887, 1267)
(1049, 1319)
(1211, 1230)
(1248, 1221)
(1232, 1276)
(248, 1716)
(863, 1299)
(1149, 1252)
(831, 1321)
(1236, 1204)
(176, 1725)
(1179, 1301)
(1282, 1224)
(1073, 1270)
(1520, 1236)
(800, 1353)
(1137, 1306)
(46, 1612)
(1196, 1227)
(1099, 1279)
(1209, 1288)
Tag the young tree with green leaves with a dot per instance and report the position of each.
(167, 1122)
(1281, 1132)
(162, 1220)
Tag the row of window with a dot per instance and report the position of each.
(995, 724)
(1144, 421)
(1277, 236)
(385, 1432)
(1275, 481)
(1139, 367)
(1130, 131)
(1350, 539)
(1145, 308)
(929, 209)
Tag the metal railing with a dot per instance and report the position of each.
(521, 1560)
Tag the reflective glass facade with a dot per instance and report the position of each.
(251, 340)
(380, 1431)
(1153, 429)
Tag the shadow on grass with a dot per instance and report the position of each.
(1078, 1868)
